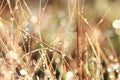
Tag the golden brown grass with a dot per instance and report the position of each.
(54, 40)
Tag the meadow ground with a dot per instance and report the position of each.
(59, 40)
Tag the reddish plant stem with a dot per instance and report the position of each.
(80, 40)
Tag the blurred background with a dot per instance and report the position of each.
(54, 23)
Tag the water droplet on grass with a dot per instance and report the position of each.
(116, 24)
(23, 72)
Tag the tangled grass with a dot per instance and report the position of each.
(58, 40)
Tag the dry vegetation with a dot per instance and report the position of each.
(59, 40)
